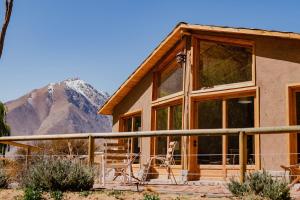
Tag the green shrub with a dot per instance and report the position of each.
(3, 179)
(115, 193)
(58, 175)
(84, 193)
(32, 194)
(260, 185)
(57, 195)
(151, 197)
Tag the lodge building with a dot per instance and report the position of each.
(207, 77)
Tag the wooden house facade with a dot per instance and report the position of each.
(206, 77)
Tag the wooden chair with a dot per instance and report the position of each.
(168, 160)
(294, 171)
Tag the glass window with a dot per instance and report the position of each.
(161, 124)
(209, 117)
(166, 121)
(176, 124)
(298, 123)
(220, 64)
(240, 115)
(132, 123)
(170, 79)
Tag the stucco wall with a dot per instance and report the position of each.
(277, 64)
(139, 99)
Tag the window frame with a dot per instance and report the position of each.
(224, 95)
(154, 109)
(122, 119)
(221, 40)
(161, 65)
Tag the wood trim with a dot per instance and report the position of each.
(224, 137)
(167, 99)
(241, 92)
(291, 120)
(257, 124)
(227, 40)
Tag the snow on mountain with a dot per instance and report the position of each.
(69, 106)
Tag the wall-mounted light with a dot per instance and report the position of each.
(180, 57)
(244, 100)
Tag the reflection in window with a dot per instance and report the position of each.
(132, 123)
(161, 124)
(176, 124)
(209, 117)
(240, 115)
(170, 80)
(221, 64)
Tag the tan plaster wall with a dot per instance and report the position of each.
(138, 99)
(277, 64)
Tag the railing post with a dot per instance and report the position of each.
(243, 155)
(91, 150)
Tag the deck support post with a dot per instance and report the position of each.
(243, 155)
(28, 153)
(91, 151)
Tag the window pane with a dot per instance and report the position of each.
(221, 64)
(176, 124)
(170, 80)
(136, 142)
(128, 124)
(161, 124)
(240, 115)
(209, 117)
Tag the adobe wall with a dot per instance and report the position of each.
(277, 64)
(138, 99)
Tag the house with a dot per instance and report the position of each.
(206, 77)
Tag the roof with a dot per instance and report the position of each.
(171, 39)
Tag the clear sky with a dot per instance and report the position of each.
(102, 42)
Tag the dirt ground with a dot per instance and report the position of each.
(9, 194)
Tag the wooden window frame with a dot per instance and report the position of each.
(168, 105)
(291, 90)
(132, 115)
(222, 40)
(161, 65)
(225, 95)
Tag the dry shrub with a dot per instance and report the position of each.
(58, 175)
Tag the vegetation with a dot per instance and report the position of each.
(3, 179)
(58, 175)
(4, 128)
(32, 194)
(151, 197)
(260, 185)
(56, 195)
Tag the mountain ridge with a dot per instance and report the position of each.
(69, 106)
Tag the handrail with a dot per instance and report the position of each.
(193, 132)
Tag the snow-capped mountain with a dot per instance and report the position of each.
(69, 106)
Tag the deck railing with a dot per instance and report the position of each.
(242, 132)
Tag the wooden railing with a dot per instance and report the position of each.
(242, 132)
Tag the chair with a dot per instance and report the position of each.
(294, 172)
(168, 160)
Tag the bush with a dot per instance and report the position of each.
(151, 197)
(32, 194)
(56, 195)
(58, 175)
(3, 179)
(260, 184)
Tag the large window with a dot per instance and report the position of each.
(132, 123)
(221, 63)
(169, 79)
(168, 118)
(209, 147)
(224, 113)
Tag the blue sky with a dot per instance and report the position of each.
(102, 42)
